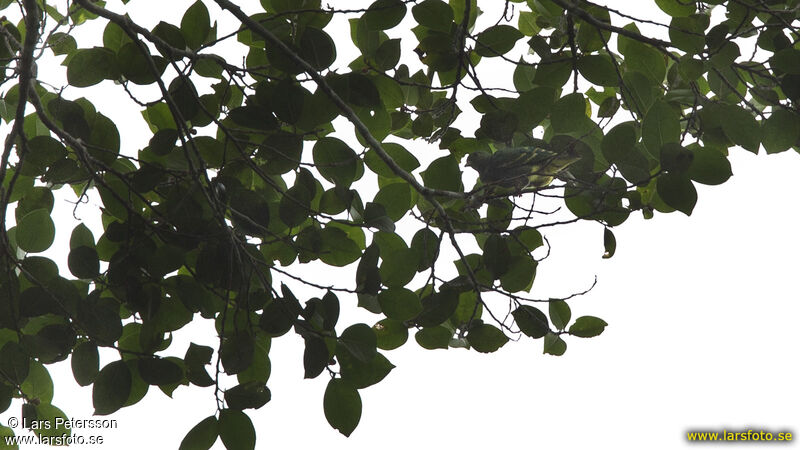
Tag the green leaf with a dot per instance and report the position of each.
(443, 173)
(560, 313)
(362, 374)
(677, 191)
(360, 341)
(434, 14)
(520, 274)
(599, 70)
(781, 131)
(587, 326)
(396, 199)
(90, 66)
(317, 48)
(431, 338)
(531, 321)
(249, 395)
(336, 161)
(83, 262)
(743, 129)
(395, 269)
(496, 255)
(620, 148)
(14, 363)
(384, 14)
(342, 406)
(85, 363)
(195, 25)
(554, 345)
(315, 356)
(36, 231)
(236, 430)
(405, 159)
(569, 114)
(54, 421)
(81, 237)
(391, 334)
(645, 59)
(399, 303)
(159, 371)
(497, 40)
(687, 33)
(202, 436)
(112, 387)
(661, 125)
(437, 308)
(609, 243)
(38, 384)
(676, 8)
(710, 166)
(486, 338)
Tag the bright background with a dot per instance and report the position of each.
(702, 314)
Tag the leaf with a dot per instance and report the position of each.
(620, 148)
(363, 374)
(559, 313)
(36, 231)
(710, 166)
(497, 40)
(81, 237)
(677, 191)
(443, 173)
(609, 243)
(55, 422)
(360, 341)
(90, 66)
(384, 14)
(391, 334)
(554, 345)
(587, 326)
(396, 199)
(569, 113)
(434, 14)
(315, 357)
(599, 70)
(520, 274)
(85, 363)
(236, 430)
(781, 131)
(531, 321)
(399, 304)
(202, 436)
(159, 371)
(317, 48)
(38, 384)
(342, 406)
(740, 125)
(83, 262)
(486, 338)
(660, 126)
(676, 8)
(195, 25)
(249, 395)
(335, 161)
(431, 338)
(111, 389)
(405, 159)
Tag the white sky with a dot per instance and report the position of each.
(702, 314)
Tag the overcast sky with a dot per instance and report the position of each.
(702, 334)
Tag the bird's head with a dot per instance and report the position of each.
(478, 160)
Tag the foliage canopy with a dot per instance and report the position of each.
(246, 175)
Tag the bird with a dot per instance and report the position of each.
(511, 170)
